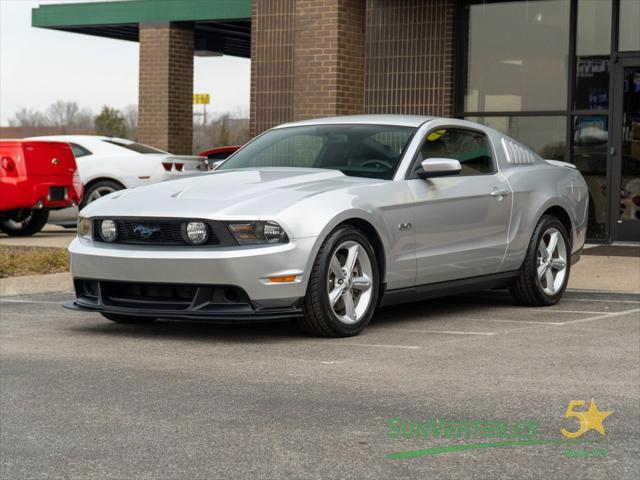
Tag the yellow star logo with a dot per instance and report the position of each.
(589, 419)
(594, 417)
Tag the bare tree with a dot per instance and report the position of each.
(28, 118)
(130, 114)
(68, 114)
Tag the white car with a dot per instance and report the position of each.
(108, 164)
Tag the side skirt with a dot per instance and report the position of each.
(451, 287)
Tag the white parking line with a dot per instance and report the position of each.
(506, 320)
(637, 302)
(446, 332)
(373, 345)
(600, 317)
(5, 300)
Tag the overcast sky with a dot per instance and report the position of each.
(39, 66)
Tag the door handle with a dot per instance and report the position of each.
(499, 192)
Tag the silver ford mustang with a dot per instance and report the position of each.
(324, 220)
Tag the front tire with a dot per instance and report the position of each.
(343, 286)
(26, 224)
(127, 319)
(545, 272)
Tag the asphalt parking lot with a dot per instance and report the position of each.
(82, 397)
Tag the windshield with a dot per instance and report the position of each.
(136, 147)
(372, 151)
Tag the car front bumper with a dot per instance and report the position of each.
(247, 268)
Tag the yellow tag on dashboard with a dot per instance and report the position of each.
(433, 136)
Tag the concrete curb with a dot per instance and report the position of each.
(32, 284)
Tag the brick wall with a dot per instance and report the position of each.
(165, 110)
(314, 58)
(409, 57)
(272, 35)
(329, 58)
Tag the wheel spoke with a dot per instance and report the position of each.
(336, 268)
(352, 256)
(549, 279)
(558, 263)
(335, 294)
(541, 271)
(349, 307)
(542, 249)
(553, 241)
(362, 282)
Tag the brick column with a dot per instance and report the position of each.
(307, 60)
(165, 98)
(413, 73)
(328, 58)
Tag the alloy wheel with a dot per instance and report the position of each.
(349, 282)
(96, 193)
(552, 261)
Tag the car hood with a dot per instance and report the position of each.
(228, 194)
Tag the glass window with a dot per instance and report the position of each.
(629, 33)
(592, 84)
(136, 147)
(544, 135)
(471, 149)
(517, 55)
(371, 151)
(630, 172)
(589, 154)
(594, 27)
(79, 151)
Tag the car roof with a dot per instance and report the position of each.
(400, 120)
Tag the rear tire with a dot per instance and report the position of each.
(343, 286)
(127, 319)
(545, 271)
(99, 189)
(25, 225)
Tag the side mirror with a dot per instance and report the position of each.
(439, 167)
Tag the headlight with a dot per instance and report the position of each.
(197, 232)
(108, 230)
(84, 227)
(253, 233)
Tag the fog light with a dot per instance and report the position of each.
(108, 230)
(197, 232)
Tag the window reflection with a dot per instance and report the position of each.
(630, 187)
(594, 27)
(517, 55)
(544, 135)
(629, 34)
(592, 84)
(589, 154)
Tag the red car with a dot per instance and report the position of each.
(217, 154)
(35, 177)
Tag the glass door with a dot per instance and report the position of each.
(625, 211)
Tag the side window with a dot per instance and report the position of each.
(79, 151)
(470, 148)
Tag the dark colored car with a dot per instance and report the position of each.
(216, 155)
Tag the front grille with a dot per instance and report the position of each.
(154, 232)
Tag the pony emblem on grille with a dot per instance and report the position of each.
(145, 231)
